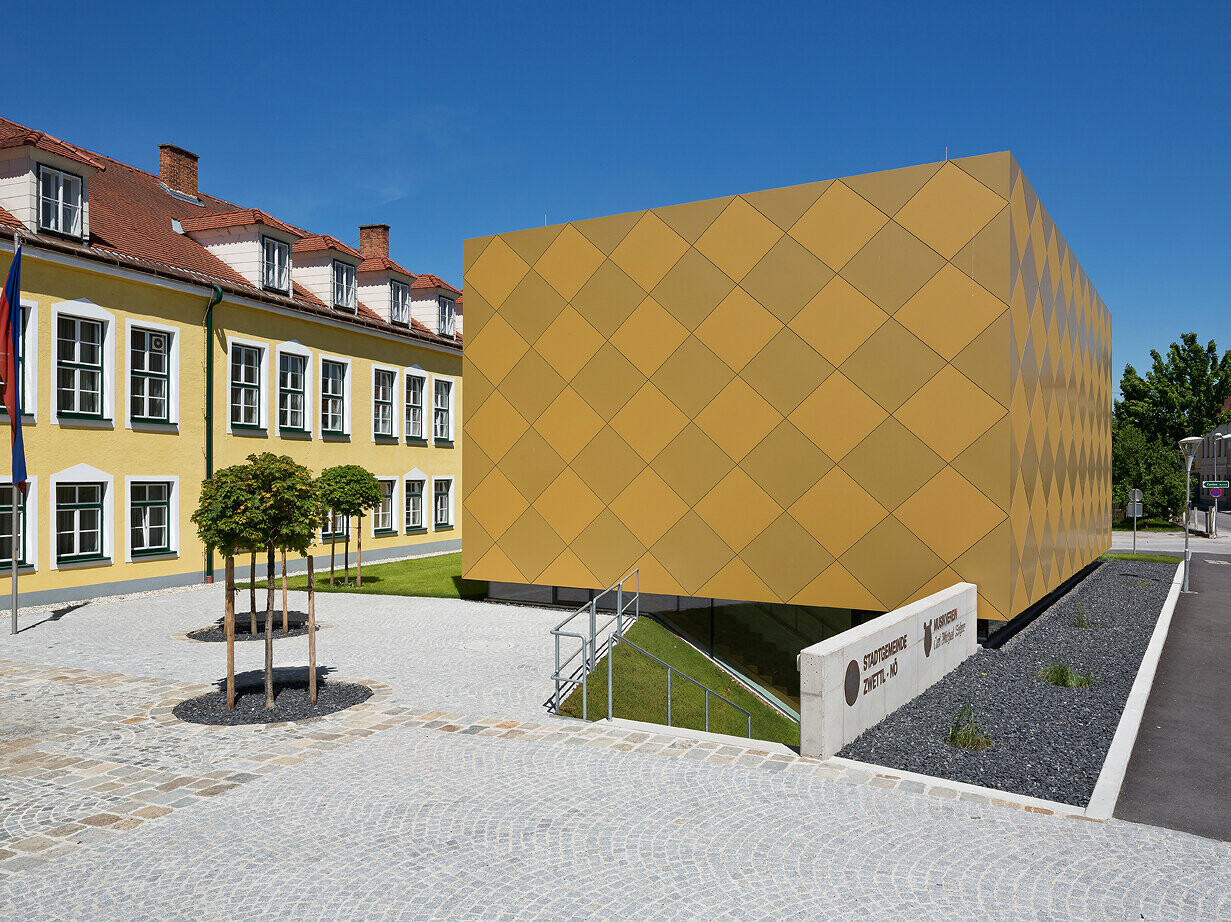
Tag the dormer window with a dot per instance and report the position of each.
(344, 285)
(399, 303)
(275, 265)
(447, 325)
(59, 202)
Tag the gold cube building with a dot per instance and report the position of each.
(849, 393)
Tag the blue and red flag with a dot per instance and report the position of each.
(10, 363)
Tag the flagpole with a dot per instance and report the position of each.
(15, 422)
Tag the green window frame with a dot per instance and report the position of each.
(79, 367)
(333, 398)
(149, 518)
(414, 506)
(79, 522)
(149, 375)
(383, 383)
(6, 529)
(382, 515)
(442, 489)
(415, 385)
(245, 386)
(292, 392)
(442, 410)
(334, 525)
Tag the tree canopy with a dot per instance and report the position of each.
(269, 501)
(349, 489)
(1182, 394)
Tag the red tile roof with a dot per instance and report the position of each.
(240, 217)
(317, 242)
(433, 281)
(131, 217)
(382, 263)
(23, 137)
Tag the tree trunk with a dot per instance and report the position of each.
(333, 543)
(252, 592)
(228, 628)
(359, 555)
(346, 553)
(311, 635)
(285, 629)
(269, 632)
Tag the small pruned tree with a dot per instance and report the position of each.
(270, 502)
(349, 490)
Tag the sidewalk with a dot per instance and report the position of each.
(1177, 776)
(1172, 542)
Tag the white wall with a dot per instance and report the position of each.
(314, 271)
(851, 682)
(425, 308)
(238, 247)
(374, 292)
(19, 184)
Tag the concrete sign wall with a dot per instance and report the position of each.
(848, 683)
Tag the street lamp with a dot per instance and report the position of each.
(1189, 447)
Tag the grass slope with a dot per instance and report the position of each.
(437, 577)
(1146, 525)
(639, 690)
(1144, 558)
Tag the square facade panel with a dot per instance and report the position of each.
(893, 382)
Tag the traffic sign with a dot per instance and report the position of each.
(1215, 492)
(1134, 510)
(1217, 484)
(1135, 495)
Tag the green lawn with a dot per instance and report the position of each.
(1144, 558)
(436, 577)
(1146, 525)
(640, 690)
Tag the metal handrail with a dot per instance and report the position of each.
(588, 641)
(620, 638)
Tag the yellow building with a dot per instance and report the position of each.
(839, 396)
(138, 291)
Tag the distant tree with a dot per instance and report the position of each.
(269, 503)
(1182, 394)
(349, 490)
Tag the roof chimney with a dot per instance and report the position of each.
(373, 240)
(177, 168)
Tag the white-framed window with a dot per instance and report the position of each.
(27, 525)
(413, 511)
(247, 385)
(344, 291)
(399, 302)
(27, 367)
(83, 373)
(416, 385)
(442, 502)
(153, 516)
(446, 313)
(275, 265)
(442, 409)
(60, 201)
(83, 516)
(384, 403)
(153, 373)
(383, 522)
(335, 527)
(335, 396)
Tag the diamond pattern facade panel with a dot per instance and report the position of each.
(848, 393)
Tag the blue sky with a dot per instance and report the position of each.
(452, 120)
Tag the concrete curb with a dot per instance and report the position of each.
(1111, 778)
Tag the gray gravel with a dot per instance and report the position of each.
(1048, 742)
(297, 624)
(290, 702)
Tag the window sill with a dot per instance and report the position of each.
(384, 532)
(443, 443)
(416, 529)
(442, 528)
(416, 440)
(335, 436)
(85, 421)
(74, 563)
(154, 555)
(249, 431)
(302, 434)
(154, 425)
(385, 439)
(6, 568)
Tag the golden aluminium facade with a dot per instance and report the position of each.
(849, 393)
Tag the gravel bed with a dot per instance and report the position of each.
(215, 633)
(1048, 742)
(290, 703)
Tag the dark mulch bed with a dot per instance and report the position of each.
(1049, 742)
(290, 699)
(297, 622)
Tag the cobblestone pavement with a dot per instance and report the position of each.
(110, 808)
